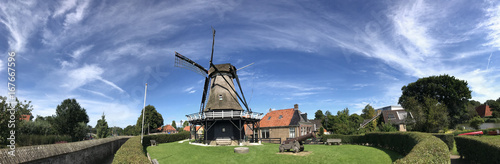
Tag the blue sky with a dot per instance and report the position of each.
(325, 55)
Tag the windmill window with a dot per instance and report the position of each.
(281, 116)
(223, 130)
(220, 97)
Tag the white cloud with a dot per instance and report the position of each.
(492, 23)
(190, 90)
(64, 7)
(77, 16)
(80, 51)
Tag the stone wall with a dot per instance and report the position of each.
(91, 151)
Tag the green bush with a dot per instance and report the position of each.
(133, 152)
(479, 149)
(448, 139)
(29, 140)
(416, 147)
(165, 138)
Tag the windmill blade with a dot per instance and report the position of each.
(204, 97)
(213, 42)
(184, 62)
(242, 95)
(245, 66)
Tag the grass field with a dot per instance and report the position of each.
(268, 153)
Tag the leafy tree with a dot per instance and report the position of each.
(328, 113)
(185, 124)
(70, 116)
(321, 131)
(152, 118)
(173, 124)
(387, 127)
(319, 115)
(6, 124)
(494, 105)
(102, 127)
(430, 116)
(476, 122)
(368, 112)
(131, 130)
(447, 90)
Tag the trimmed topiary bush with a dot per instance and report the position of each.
(479, 149)
(448, 139)
(133, 152)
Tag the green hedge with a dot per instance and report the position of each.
(165, 138)
(416, 147)
(133, 152)
(29, 140)
(479, 149)
(448, 139)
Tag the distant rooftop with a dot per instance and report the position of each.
(392, 107)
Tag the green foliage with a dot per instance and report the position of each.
(37, 127)
(131, 130)
(479, 149)
(448, 139)
(447, 90)
(476, 122)
(368, 112)
(319, 115)
(102, 127)
(428, 116)
(416, 147)
(34, 139)
(185, 124)
(321, 132)
(387, 127)
(152, 118)
(21, 108)
(173, 124)
(131, 152)
(69, 118)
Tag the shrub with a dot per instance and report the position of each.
(28, 140)
(131, 152)
(346, 139)
(479, 149)
(448, 139)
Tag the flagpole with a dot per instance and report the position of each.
(143, 111)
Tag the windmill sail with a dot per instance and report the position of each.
(184, 62)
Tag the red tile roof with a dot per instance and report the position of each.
(25, 117)
(272, 119)
(188, 128)
(168, 128)
(484, 110)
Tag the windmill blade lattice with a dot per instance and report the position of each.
(184, 62)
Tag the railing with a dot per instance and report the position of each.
(223, 114)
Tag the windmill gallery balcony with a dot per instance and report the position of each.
(223, 114)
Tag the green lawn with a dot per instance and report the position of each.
(268, 153)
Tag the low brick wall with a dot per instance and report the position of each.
(91, 151)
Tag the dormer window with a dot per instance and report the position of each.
(281, 116)
(269, 118)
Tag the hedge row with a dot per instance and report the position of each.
(479, 149)
(133, 152)
(448, 139)
(416, 147)
(165, 138)
(29, 140)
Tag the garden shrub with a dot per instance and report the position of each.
(448, 139)
(29, 140)
(133, 152)
(479, 149)
(415, 146)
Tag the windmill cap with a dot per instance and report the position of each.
(227, 68)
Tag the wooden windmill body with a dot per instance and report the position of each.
(222, 115)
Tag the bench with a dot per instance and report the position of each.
(331, 141)
(153, 142)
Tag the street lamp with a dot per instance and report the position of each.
(144, 111)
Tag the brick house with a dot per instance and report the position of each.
(168, 129)
(396, 117)
(199, 131)
(285, 123)
(484, 110)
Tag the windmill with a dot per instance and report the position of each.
(220, 112)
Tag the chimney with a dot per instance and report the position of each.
(270, 109)
(296, 107)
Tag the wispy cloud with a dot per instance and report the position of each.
(190, 90)
(492, 23)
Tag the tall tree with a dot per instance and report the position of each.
(186, 123)
(368, 112)
(447, 90)
(152, 118)
(173, 124)
(430, 116)
(102, 127)
(319, 115)
(70, 116)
